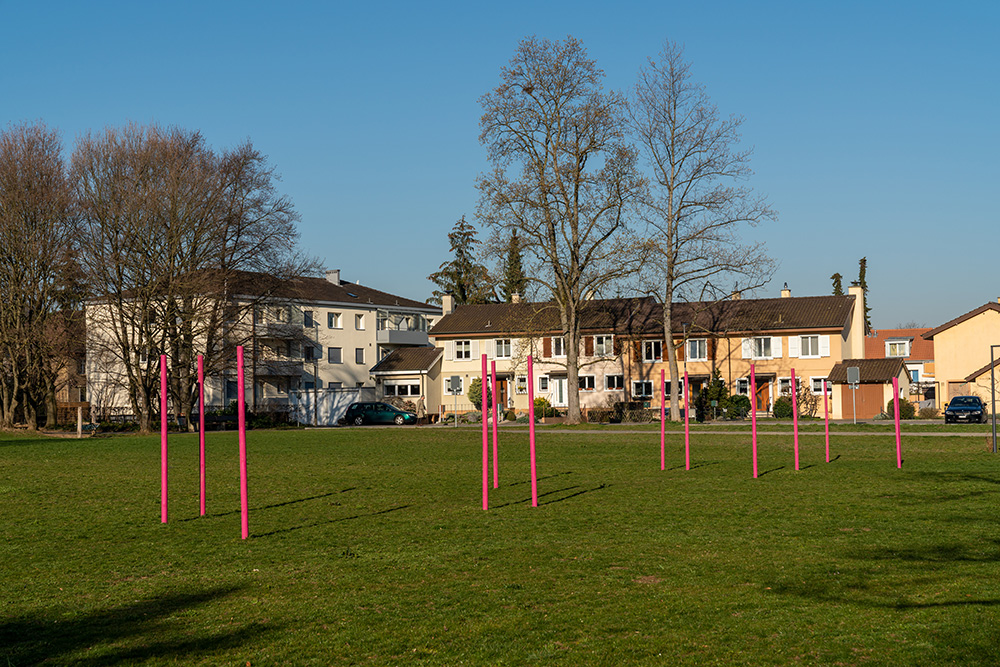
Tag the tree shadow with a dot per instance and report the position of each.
(148, 627)
(272, 506)
(551, 493)
(574, 495)
(316, 524)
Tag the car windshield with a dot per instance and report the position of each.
(964, 402)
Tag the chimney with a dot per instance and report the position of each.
(856, 337)
(785, 292)
(447, 304)
(516, 297)
(736, 295)
(333, 275)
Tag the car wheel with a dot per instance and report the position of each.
(359, 420)
(399, 420)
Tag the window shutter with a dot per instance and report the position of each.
(747, 351)
(616, 346)
(637, 347)
(711, 349)
(491, 346)
(680, 350)
(824, 346)
(794, 347)
(588, 346)
(547, 347)
(776, 347)
(475, 350)
(449, 350)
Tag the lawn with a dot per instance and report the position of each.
(369, 546)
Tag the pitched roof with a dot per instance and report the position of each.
(643, 316)
(920, 347)
(971, 377)
(962, 318)
(872, 371)
(408, 359)
(308, 288)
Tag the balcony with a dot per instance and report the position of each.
(280, 330)
(279, 367)
(401, 337)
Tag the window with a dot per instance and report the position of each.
(334, 355)
(761, 347)
(334, 385)
(81, 366)
(816, 385)
(359, 322)
(785, 385)
(308, 385)
(914, 375)
(309, 352)
(503, 348)
(680, 388)
(558, 346)
(307, 318)
(697, 349)
(359, 355)
(401, 388)
(897, 348)
(642, 389)
(808, 346)
(521, 384)
(587, 383)
(603, 346)
(463, 349)
(543, 384)
(457, 388)
(614, 382)
(652, 350)
(743, 387)
(334, 321)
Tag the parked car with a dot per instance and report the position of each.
(377, 413)
(965, 409)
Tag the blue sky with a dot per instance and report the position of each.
(874, 124)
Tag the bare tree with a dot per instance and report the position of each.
(562, 177)
(35, 256)
(694, 210)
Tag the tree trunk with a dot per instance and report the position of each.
(668, 342)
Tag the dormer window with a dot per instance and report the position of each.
(897, 348)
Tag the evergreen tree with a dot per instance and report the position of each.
(463, 277)
(513, 280)
(863, 283)
(838, 285)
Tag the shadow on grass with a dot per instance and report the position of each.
(768, 472)
(558, 474)
(552, 493)
(272, 506)
(326, 523)
(124, 634)
(696, 465)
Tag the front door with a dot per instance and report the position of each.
(559, 397)
(502, 394)
(763, 397)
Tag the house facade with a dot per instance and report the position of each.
(962, 353)
(623, 350)
(916, 352)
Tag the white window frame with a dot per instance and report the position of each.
(652, 351)
(786, 382)
(642, 383)
(359, 322)
(802, 347)
(888, 349)
(334, 320)
(702, 353)
(542, 386)
(463, 354)
(608, 387)
(606, 346)
(558, 346)
(816, 385)
(743, 386)
(762, 347)
(590, 380)
(499, 345)
(520, 384)
(340, 351)
(680, 388)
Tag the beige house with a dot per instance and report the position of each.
(962, 353)
(623, 351)
(874, 389)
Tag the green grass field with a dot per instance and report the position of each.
(370, 547)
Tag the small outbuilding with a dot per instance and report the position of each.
(874, 389)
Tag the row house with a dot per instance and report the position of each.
(623, 348)
(304, 333)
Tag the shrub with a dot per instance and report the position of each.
(543, 408)
(739, 406)
(476, 393)
(783, 407)
(906, 409)
(928, 413)
(510, 415)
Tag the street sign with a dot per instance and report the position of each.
(455, 384)
(853, 375)
(854, 379)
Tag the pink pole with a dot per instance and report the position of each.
(201, 427)
(493, 390)
(486, 448)
(753, 416)
(663, 421)
(531, 431)
(795, 418)
(687, 421)
(826, 417)
(895, 405)
(242, 423)
(163, 438)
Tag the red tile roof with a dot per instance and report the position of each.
(921, 349)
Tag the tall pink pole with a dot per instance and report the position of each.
(201, 427)
(493, 391)
(242, 424)
(663, 421)
(795, 418)
(687, 422)
(895, 405)
(531, 430)
(163, 438)
(486, 448)
(753, 416)
(826, 418)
